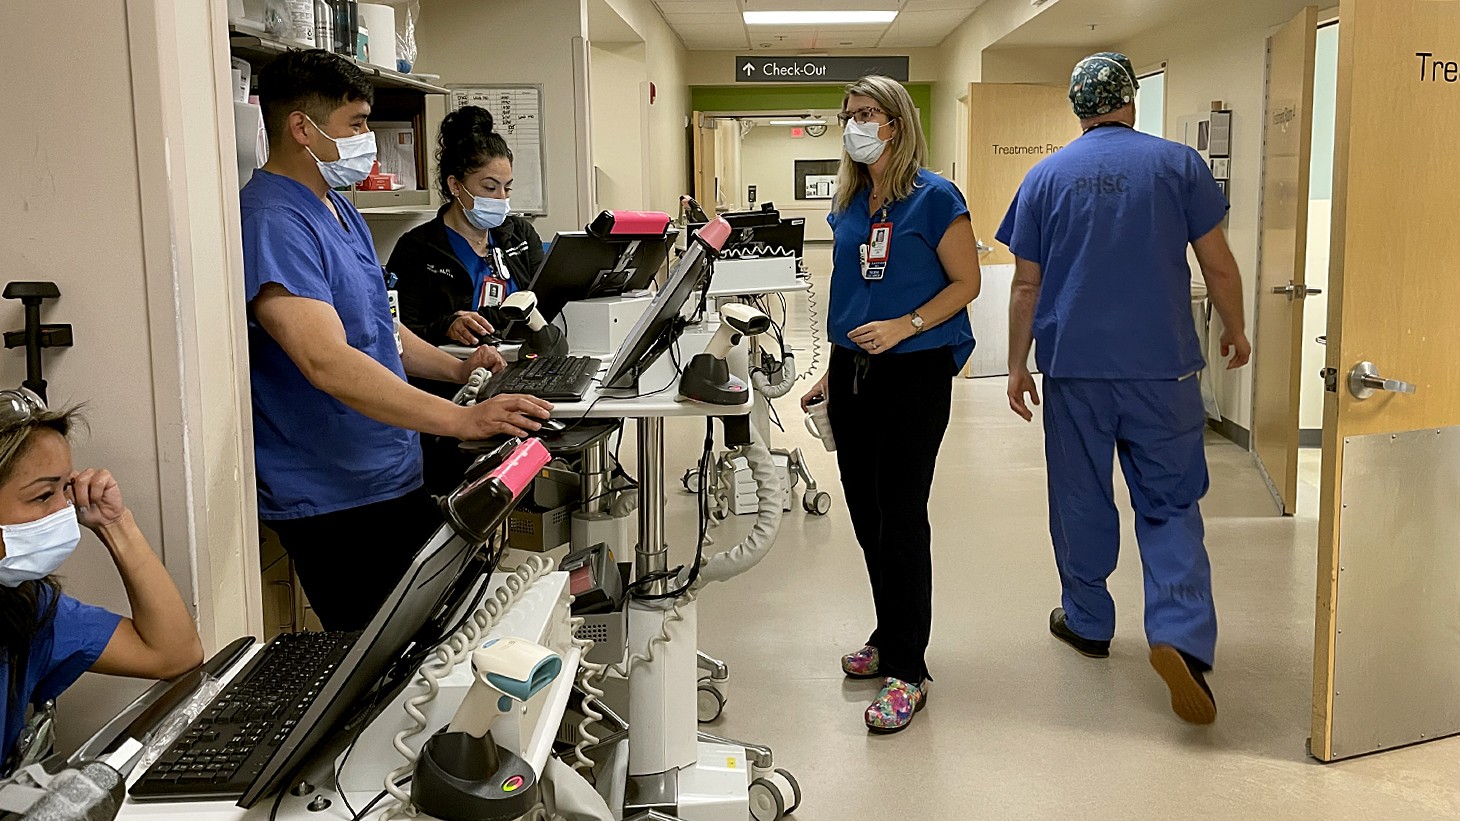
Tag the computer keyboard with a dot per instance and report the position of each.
(221, 753)
(555, 378)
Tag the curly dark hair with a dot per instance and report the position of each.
(465, 144)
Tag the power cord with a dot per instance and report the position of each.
(443, 659)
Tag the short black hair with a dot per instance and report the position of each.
(315, 81)
(465, 144)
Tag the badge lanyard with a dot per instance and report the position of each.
(494, 282)
(878, 248)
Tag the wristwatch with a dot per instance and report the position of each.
(917, 322)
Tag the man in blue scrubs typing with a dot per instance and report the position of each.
(1099, 233)
(336, 425)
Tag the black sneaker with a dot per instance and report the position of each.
(1085, 647)
(1191, 698)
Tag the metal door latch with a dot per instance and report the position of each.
(1364, 381)
(1296, 291)
(1330, 379)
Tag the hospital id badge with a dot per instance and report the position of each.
(874, 271)
(879, 248)
(493, 292)
(394, 296)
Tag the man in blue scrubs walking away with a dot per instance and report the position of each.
(1099, 233)
(336, 442)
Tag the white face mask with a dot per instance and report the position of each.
(35, 550)
(862, 142)
(486, 213)
(357, 157)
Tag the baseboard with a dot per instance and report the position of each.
(1310, 438)
(1232, 432)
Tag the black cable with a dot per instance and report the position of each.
(704, 515)
(278, 801)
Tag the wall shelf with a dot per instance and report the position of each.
(257, 46)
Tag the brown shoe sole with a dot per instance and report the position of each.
(1188, 700)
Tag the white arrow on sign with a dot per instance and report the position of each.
(748, 69)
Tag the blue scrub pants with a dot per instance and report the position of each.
(1155, 427)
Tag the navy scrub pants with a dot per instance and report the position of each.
(1155, 427)
(888, 415)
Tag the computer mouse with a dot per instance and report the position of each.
(553, 426)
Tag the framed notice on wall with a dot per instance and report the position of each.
(815, 179)
(517, 116)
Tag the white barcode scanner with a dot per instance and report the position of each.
(542, 339)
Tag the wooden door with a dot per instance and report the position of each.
(704, 162)
(1278, 337)
(1011, 127)
(1387, 660)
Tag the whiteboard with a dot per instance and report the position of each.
(517, 116)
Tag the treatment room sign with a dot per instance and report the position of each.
(817, 69)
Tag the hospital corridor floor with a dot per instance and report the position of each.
(1018, 726)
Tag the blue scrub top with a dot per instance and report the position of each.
(478, 267)
(1108, 218)
(60, 652)
(914, 273)
(315, 455)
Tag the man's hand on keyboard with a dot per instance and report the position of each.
(511, 414)
(483, 357)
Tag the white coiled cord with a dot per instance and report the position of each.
(443, 659)
(592, 674)
(814, 314)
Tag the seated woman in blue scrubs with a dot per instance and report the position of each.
(48, 639)
(454, 271)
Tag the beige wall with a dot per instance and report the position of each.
(717, 68)
(768, 161)
(619, 102)
(122, 202)
(1031, 65)
(666, 64)
(1225, 62)
(518, 41)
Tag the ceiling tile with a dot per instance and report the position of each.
(726, 6)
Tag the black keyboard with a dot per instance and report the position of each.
(555, 378)
(223, 751)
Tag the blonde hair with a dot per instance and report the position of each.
(15, 439)
(908, 148)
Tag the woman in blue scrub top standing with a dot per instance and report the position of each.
(48, 639)
(904, 269)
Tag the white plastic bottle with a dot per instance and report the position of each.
(301, 21)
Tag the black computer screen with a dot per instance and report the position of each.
(660, 325)
(441, 577)
(582, 266)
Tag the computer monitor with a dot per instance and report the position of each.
(786, 238)
(437, 583)
(661, 324)
(582, 266)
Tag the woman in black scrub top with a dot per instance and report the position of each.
(454, 271)
(905, 268)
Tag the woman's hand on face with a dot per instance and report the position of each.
(818, 391)
(881, 337)
(468, 327)
(97, 497)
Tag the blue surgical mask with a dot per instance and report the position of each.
(486, 213)
(357, 158)
(35, 550)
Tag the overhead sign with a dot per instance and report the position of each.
(817, 69)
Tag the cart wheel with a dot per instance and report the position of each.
(709, 703)
(691, 480)
(817, 504)
(795, 791)
(767, 801)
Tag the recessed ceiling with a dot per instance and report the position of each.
(1100, 23)
(710, 25)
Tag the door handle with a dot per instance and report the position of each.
(1364, 381)
(1296, 291)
